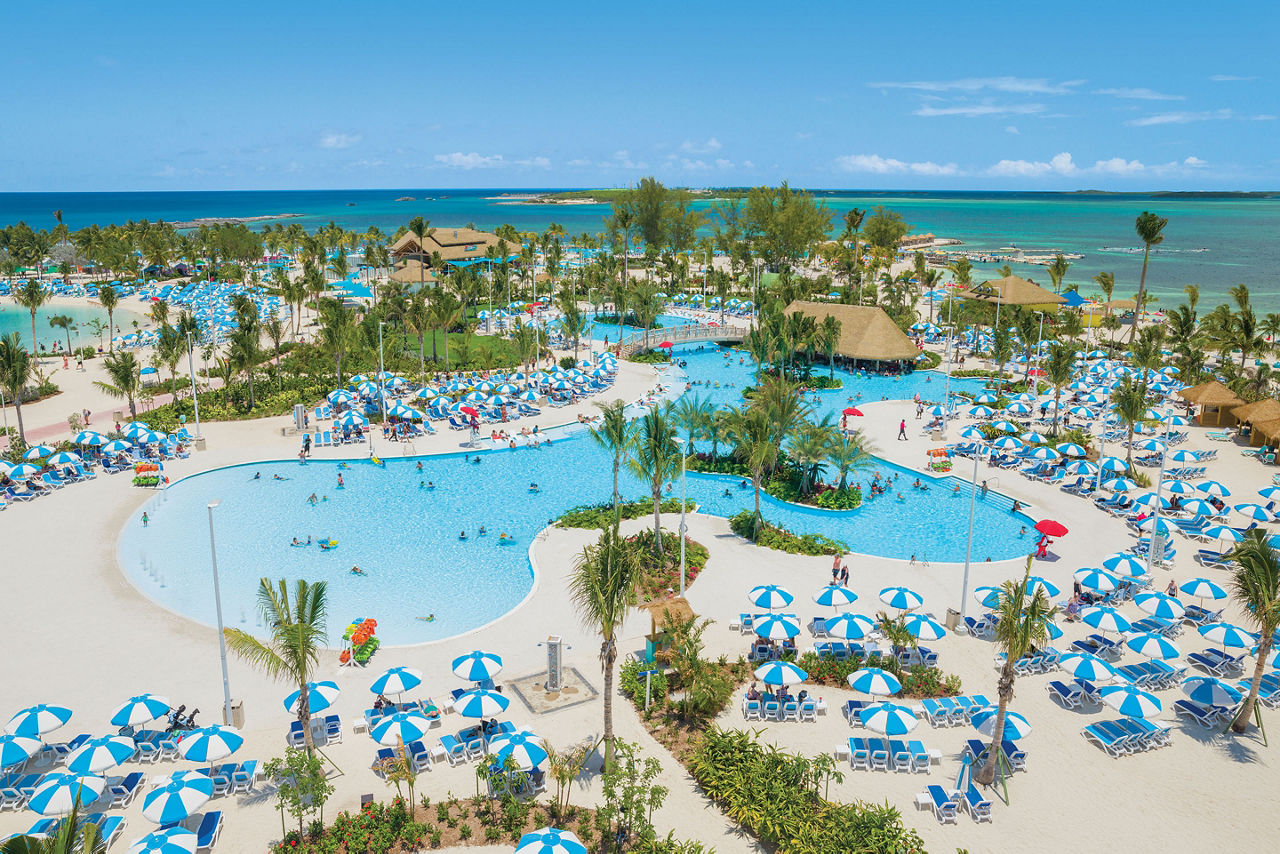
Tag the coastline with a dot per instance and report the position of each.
(231, 220)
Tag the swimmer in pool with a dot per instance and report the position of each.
(419, 465)
(462, 536)
(483, 530)
(257, 475)
(533, 487)
(340, 485)
(278, 477)
(431, 484)
(355, 570)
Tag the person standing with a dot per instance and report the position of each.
(902, 430)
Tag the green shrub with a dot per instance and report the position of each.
(931, 360)
(631, 684)
(601, 515)
(839, 499)
(650, 356)
(780, 539)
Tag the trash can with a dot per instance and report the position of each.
(953, 619)
(237, 714)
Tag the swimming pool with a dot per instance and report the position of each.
(405, 536)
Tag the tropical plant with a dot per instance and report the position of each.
(31, 295)
(611, 434)
(75, 835)
(850, 451)
(1059, 368)
(64, 322)
(751, 430)
(654, 456)
(1150, 228)
(1255, 585)
(15, 373)
(693, 414)
(125, 375)
(297, 638)
(1129, 401)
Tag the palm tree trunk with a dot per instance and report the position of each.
(657, 517)
(304, 716)
(1241, 723)
(609, 653)
(987, 774)
(1142, 289)
(617, 464)
(755, 482)
(17, 408)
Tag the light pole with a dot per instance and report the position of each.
(946, 391)
(974, 435)
(382, 381)
(683, 458)
(195, 397)
(217, 603)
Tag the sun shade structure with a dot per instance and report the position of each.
(1012, 290)
(866, 332)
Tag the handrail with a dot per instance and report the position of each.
(681, 335)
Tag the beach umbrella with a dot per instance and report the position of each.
(549, 840)
(170, 840)
(426, 393)
(1124, 564)
(524, 748)
(1160, 525)
(352, 419)
(178, 798)
(320, 696)
(1035, 582)
(1153, 645)
(1130, 701)
(98, 754)
(56, 794)
(935, 410)
(973, 433)
(852, 410)
(1096, 579)
(1151, 446)
(1015, 725)
(1050, 528)
(1214, 488)
(981, 411)
(1082, 665)
(1031, 437)
(988, 597)
(358, 378)
(1081, 412)
(397, 680)
(1228, 635)
(776, 627)
(902, 598)
(1119, 484)
(1046, 454)
(1222, 532)
(1071, 449)
(1053, 630)
(65, 458)
(135, 427)
(888, 718)
(985, 397)
(850, 626)
(834, 595)
(1080, 467)
(1203, 588)
(1271, 493)
(1182, 455)
(140, 709)
(1160, 605)
(873, 680)
(89, 437)
(479, 703)
(925, 628)
(770, 596)
(211, 743)
(1149, 500)
(1019, 408)
(1178, 487)
(340, 396)
(17, 748)
(1112, 464)
(117, 446)
(37, 452)
(780, 673)
(477, 666)
(1253, 511)
(401, 727)
(37, 720)
(1199, 507)
(19, 472)
(1211, 691)
(1105, 619)
(1007, 443)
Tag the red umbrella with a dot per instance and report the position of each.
(853, 411)
(1050, 528)
(665, 344)
(469, 411)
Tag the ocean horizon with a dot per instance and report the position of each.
(1213, 240)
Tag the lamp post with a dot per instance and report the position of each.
(191, 365)
(217, 603)
(974, 435)
(946, 391)
(382, 382)
(683, 458)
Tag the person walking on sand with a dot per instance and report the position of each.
(902, 430)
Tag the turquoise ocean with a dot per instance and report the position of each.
(1214, 241)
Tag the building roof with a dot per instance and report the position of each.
(1012, 290)
(412, 272)
(453, 244)
(1269, 429)
(1211, 393)
(1257, 412)
(866, 332)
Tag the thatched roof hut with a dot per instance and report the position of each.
(866, 332)
(411, 272)
(453, 244)
(1013, 290)
(1212, 396)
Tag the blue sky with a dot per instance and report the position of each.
(266, 95)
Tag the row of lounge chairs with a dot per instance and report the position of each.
(1126, 736)
(953, 711)
(946, 806)
(887, 754)
(109, 828)
(772, 710)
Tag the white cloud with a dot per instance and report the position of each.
(536, 162)
(1180, 118)
(339, 140)
(1015, 85)
(711, 145)
(472, 160)
(1138, 94)
(1061, 164)
(877, 165)
(1117, 166)
(1229, 78)
(694, 165)
(971, 111)
(721, 163)
(747, 164)
(578, 162)
(1194, 162)
(1013, 130)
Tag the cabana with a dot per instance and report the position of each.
(1214, 396)
(867, 334)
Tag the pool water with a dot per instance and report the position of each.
(406, 536)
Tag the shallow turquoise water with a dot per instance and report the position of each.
(15, 318)
(406, 536)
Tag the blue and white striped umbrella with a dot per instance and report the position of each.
(134, 428)
(1127, 565)
(1119, 484)
(873, 680)
(1228, 635)
(1160, 605)
(1153, 645)
(320, 696)
(524, 748)
(850, 626)
(937, 411)
(988, 597)
(1203, 588)
(1182, 455)
(770, 596)
(56, 794)
(98, 754)
(981, 411)
(1007, 427)
(402, 726)
(1080, 467)
(37, 720)
(1214, 488)
(1224, 533)
(1015, 725)
(1081, 412)
(1151, 446)
(1178, 487)
(89, 438)
(1007, 443)
(480, 703)
(1052, 628)
(1019, 408)
(889, 718)
(902, 598)
(211, 743)
(777, 627)
(366, 389)
(1071, 449)
(1158, 524)
(1113, 464)
(37, 452)
(1044, 454)
(924, 627)
(352, 419)
(1149, 500)
(17, 748)
(170, 840)
(117, 446)
(780, 673)
(1096, 579)
(1130, 701)
(178, 798)
(397, 680)
(1211, 691)
(477, 666)
(1271, 493)
(68, 458)
(985, 397)
(1035, 583)
(834, 595)
(530, 396)
(1256, 512)
(1105, 619)
(1199, 507)
(140, 709)
(1082, 665)
(549, 840)
(24, 470)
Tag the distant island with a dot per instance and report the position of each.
(406, 199)
(230, 220)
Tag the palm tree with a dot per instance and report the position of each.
(246, 352)
(63, 322)
(852, 225)
(339, 333)
(125, 374)
(1255, 584)
(15, 373)
(75, 835)
(602, 588)
(1129, 400)
(1193, 295)
(1059, 368)
(849, 451)
(611, 434)
(654, 456)
(1024, 623)
(1245, 335)
(827, 338)
(31, 295)
(810, 447)
(420, 228)
(693, 414)
(1057, 270)
(109, 298)
(297, 637)
(1149, 227)
(417, 318)
(752, 431)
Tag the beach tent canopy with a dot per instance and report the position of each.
(1211, 393)
(1012, 290)
(1073, 299)
(866, 332)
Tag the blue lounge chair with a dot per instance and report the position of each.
(978, 807)
(208, 831)
(109, 830)
(1070, 696)
(944, 809)
(454, 751)
(859, 754)
(123, 792)
(1113, 743)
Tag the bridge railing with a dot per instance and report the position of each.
(681, 335)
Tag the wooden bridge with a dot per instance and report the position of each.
(697, 334)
